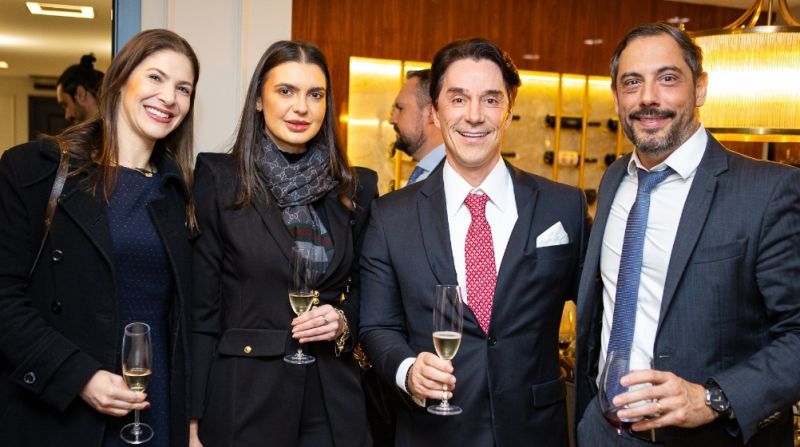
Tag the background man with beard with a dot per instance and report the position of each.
(412, 118)
(512, 241)
(77, 90)
(712, 291)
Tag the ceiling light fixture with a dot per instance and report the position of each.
(53, 9)
(753, 71)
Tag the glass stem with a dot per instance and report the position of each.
(136, 428)
(444, 403)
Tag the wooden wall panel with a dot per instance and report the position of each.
(415, 29)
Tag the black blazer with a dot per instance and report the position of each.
(56, 334)
(731, 304)
(508, 382)
(241, 261)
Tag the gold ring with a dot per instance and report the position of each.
(658, 405)
(324, 319)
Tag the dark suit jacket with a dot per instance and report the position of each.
(731, 304)
(56, 334)
(241, 267)
(508, 382)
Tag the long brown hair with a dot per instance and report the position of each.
(95, 142)
(245, 150)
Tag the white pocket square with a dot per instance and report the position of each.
(554, 235)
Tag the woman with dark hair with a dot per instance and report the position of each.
(286, 182)
(116, 250)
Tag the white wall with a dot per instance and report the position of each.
(229, 37)
(14, 93)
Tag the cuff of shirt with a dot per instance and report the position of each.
(400, 379)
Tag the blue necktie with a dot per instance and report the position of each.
(418, 171)
(630, 271)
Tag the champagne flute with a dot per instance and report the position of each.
(137, 360)
(448, 319)
(302, 296)
(617, 366)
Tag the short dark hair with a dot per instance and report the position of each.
(83, 74)
(476, 49)
(423, 78)
(692, 54)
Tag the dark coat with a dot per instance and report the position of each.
(247, 397)
(730, 309)
(58, 332)
(508, 381)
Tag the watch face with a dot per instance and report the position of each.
(717, 400)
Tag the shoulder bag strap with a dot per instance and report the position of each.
(55, 192)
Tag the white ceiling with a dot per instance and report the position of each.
(37, 45)
(45, 45)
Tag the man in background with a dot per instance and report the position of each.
(78, 88)
(412, 118)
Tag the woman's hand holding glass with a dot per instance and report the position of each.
(319, 324)
(108, 394)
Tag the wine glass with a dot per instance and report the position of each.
(448, 318)
(302, 296)
(137, 361)
(616, 367)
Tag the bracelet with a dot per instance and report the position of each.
(342, 338)
(408, 376)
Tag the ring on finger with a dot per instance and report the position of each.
(659, 407)
(324, 319)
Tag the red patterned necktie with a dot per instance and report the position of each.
(479, 257)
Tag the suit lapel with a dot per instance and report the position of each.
(525, 195)
(271, 216)
(695, 211)
(435, 230)
(89, 214)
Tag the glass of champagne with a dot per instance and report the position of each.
(617, 366)
(137, 360)
(302, 296)
(448, 319)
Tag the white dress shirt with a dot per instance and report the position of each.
(430, 162)
(501, 213)
(666, 206)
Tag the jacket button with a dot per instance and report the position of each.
(57, 255)
(29, 378)
(55, 307)
(492, 341)
(248, 349)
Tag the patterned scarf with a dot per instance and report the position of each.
(295, 187)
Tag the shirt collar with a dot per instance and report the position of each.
(430, 161)
(684, 160)
(494, 185)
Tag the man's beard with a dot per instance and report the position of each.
(677, 133)
(409, 144)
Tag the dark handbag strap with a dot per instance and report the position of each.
(55, 192)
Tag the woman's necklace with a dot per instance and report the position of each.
(147, 172)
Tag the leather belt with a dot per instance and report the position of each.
(654, 436)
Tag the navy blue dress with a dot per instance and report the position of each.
(144, 287)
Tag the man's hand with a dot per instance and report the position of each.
(108, 394)
(673, 401)
(430, 376)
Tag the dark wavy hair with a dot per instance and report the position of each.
(82, 74)
(245, 149)
(692, 53)
(476, 49)
(95, 142)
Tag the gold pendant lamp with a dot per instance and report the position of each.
(754, 76)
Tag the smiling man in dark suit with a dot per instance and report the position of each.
(512, 241)
(706, 305)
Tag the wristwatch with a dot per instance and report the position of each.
(716, 400)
